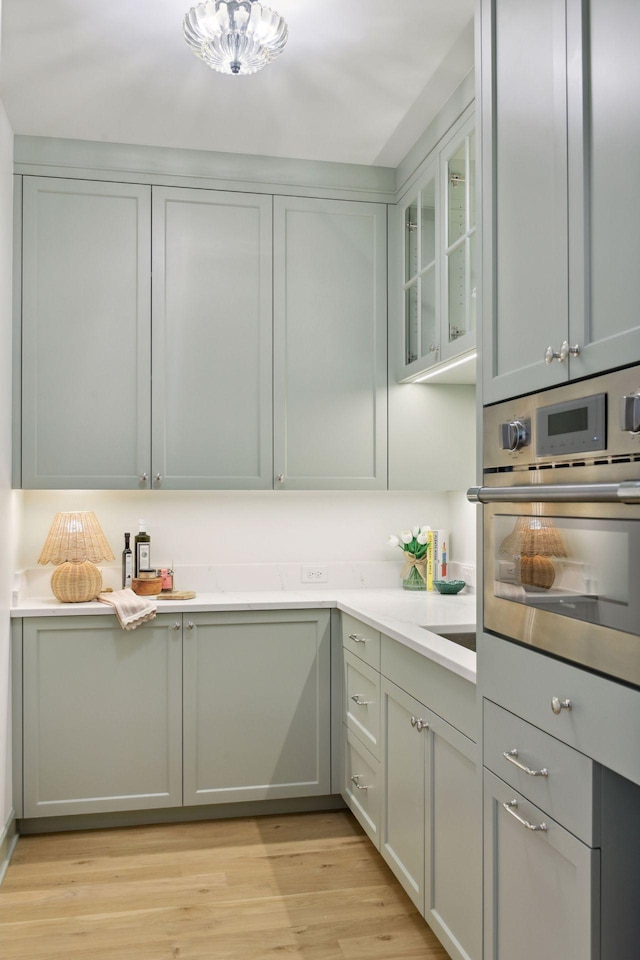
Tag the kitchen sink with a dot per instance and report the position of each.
(464, 638)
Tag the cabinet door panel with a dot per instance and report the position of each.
(541, 888)
(604, 143)
(102, 715)
(525, 288)
(330, 329)
(256, 707)
(453, 881)
(403, 813)
(211, 339)
(85, 334)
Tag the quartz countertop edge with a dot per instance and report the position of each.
(394, 612)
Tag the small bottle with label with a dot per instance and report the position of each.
(127, 562)
(142, 549)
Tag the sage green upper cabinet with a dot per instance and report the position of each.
(434, 237)
(211, 339)
(330, 357)
(85, 334)
(560, 100)
(604, 143)
(524, 194)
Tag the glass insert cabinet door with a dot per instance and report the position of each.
(421, 334)
(439, 257)
(459, 261)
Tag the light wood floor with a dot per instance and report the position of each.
(308, 886)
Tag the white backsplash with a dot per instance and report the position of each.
(231, 541)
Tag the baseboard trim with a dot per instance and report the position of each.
(218, 811)
(8, 840)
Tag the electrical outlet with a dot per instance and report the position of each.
(314, 573)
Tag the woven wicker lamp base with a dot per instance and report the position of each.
(76, 582)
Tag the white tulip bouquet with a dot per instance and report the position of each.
(415, 544)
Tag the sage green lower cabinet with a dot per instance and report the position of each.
(102, 715)
(256, 706)
(541, 885)
(403, 793)
(411, 779)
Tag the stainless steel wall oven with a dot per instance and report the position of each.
(561, 528)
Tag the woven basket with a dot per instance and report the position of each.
(76, 582)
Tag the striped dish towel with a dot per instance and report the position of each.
(130, 609)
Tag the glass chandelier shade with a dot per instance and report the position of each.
(236, 37)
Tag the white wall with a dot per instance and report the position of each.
(7, 497)
(212, 528)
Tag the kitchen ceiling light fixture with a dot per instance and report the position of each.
(236, 37)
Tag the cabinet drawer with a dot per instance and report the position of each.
(444, 692)
(526, 682)
(361, 640)
(559, 780)
(362, 702)
(361, 782)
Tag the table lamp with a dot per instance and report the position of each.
(76, 543)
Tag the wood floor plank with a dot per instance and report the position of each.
(306, 887)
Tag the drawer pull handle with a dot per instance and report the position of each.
(558, 705)
(511, 806)
(359, 701)
(419, 724)
(357, 639)
(512, 757)
(355, 780)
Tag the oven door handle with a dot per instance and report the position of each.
(626, 492)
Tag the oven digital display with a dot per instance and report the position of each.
(574, 427)
(568, 421)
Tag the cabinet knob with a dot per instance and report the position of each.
(190, 625)
(558, 705)
(157, 478)
(565, 351)
(176, 625)
(280, 478)
(144, 477)
(419, 724)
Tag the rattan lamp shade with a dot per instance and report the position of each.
(75, 544)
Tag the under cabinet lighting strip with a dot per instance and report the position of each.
(444, 368)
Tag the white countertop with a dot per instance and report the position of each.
(397, 613)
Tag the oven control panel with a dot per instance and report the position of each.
(584, 421)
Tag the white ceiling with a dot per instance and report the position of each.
(358, 81)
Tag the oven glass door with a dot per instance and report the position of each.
(565, 578)
(573, 567)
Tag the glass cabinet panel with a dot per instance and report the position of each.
(456, 190)
(411, 323)
(428, 224)
(437, 225)
(411, 241)
(460, 253)
(429, 319)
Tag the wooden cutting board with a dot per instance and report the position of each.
(176, 595)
